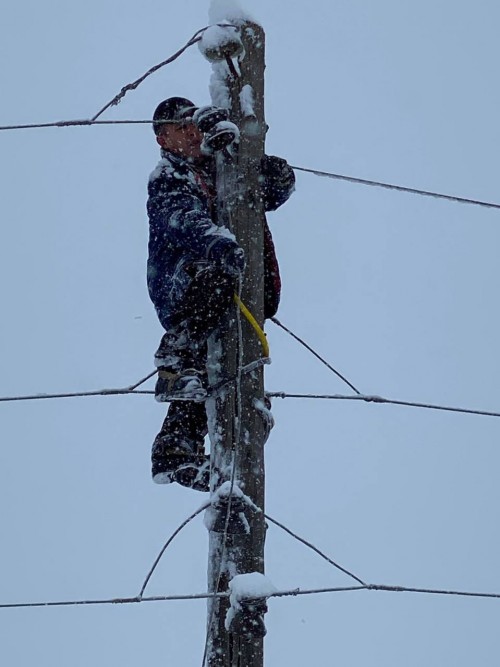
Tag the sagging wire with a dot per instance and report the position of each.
(308, 347)
(266, 516)
(167, 544)
(132, 86)
(399, 188)
(315, 549)
(124, 90)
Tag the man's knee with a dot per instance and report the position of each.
(207, 299)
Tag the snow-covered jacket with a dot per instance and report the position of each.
(183, 236)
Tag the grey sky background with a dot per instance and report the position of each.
(398, 291)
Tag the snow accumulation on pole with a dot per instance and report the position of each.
(234, 44)
(230, 11)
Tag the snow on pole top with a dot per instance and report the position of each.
(228, 10)
(219, 42)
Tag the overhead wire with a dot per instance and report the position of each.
(193, 40)
(133, 388)
(315, 549)
(316, 172)
(296, 592)
(368, 398)
(75, 123)
(399, 188)
(203, 507)
(119, 96)
(168, 543)
(381, 399)
(318, 356)
(75, 394)
(134, 84)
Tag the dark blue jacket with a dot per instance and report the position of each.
(183, 236)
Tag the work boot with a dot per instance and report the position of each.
(185, 385)
(179, 464)
(195, 475)
(178, 453)
(178, 359)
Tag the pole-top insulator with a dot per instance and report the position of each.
(220, 42)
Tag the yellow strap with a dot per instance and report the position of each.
(260, 334)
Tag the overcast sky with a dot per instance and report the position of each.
(399, 292)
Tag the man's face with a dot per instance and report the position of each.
(181, 138)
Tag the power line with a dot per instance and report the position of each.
(215, 389)
(84, 121)
(167, 544)
(132, 86)
(133, 387)
(131, 600)
(75, 123)
(269, 518)
(365, 398)
(296, 592)
(326, 174)
(76, 394)
(315, 549)
(118, 98)
(399, 188)
(381, 399)
(308, 347)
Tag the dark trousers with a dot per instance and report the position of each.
(208, 297)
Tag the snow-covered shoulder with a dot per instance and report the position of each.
(164, 165)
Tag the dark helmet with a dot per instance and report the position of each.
(175, 109)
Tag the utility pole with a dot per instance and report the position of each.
(236, 421)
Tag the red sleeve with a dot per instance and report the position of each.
(272, 280)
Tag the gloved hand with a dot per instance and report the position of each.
(279, 170)
(233, 260)
(227, 254)
(279, 181)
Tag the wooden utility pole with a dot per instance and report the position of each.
(237, 427)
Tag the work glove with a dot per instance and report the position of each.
(217, 129)
(278, 181)
(227, 254)
(233, 260)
